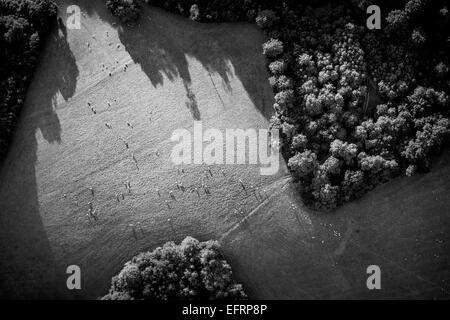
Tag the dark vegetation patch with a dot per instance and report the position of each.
(127, 11)
(24, 25)
(339, 143)
(192, 270)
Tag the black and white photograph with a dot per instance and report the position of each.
(224, 151)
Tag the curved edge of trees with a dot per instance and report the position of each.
(357, 107)
(24, 25)
(191, 270)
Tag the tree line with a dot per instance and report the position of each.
(24, 25)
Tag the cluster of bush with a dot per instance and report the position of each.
(211, 10)
(23, 26)
(326, 69)
(197, 10)
(128, 11)
(192, 270)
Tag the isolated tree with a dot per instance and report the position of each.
(194, 13)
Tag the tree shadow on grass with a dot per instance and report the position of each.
(161, 44)
(59, 73)
(27, 266)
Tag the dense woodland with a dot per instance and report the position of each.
(24, 25)
(358, 107)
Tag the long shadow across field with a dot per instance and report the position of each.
(27, 267)
(165, 53)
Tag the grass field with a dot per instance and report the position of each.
(179, 71)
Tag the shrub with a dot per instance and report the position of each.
(285, 99)
(377, 168)
(441, 69)
(353, 184)
(343, 150)
(194, 13)
(299, 142)
(281, 83)
(331, 166)
(127, 11)
(433, 133)
(328, 197)
(303, 164)
(192, 270)
(266, 19)
(277, 67)
(418, 37)
(272, 48)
